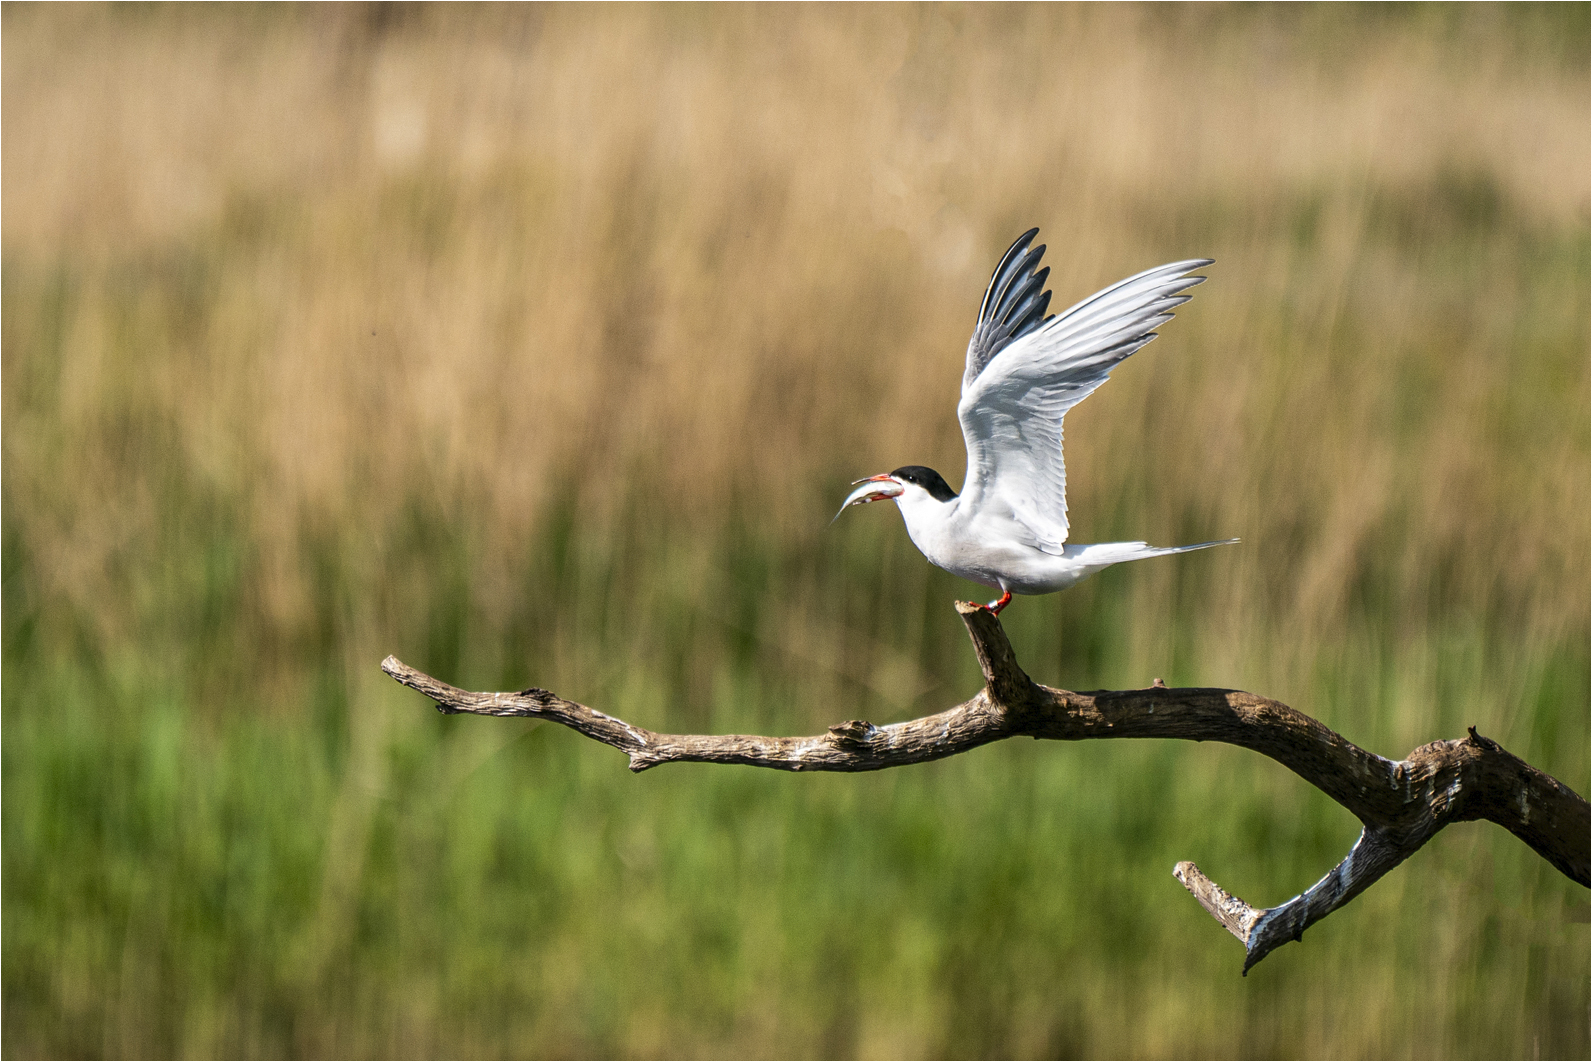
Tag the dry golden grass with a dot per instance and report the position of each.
(344, 256)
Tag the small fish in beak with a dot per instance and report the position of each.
(874, 488)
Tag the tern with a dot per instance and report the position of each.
(1008, 528)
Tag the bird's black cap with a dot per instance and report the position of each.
(926, 478)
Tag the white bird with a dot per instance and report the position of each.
(1008, 527)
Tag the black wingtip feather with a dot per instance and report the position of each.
(1036, 318)
(1014, 303)
(1026, 317)
(1016, 286)
(1008, 268)
(1018, 292)
(1019, 286)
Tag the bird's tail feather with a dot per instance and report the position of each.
(1161, 551)
(1108, 553)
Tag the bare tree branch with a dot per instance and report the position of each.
(1401, 804)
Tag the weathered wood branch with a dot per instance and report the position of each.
(1401, 804)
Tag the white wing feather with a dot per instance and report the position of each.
(1011, 412)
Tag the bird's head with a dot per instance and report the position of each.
(909, 483)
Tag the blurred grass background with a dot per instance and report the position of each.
(537, 346)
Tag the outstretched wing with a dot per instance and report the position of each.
(1024, 373)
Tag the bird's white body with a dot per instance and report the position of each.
(1008, 528)
(985, 552)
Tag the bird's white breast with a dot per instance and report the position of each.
(991, 550)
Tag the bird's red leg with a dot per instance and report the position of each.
(996, 606)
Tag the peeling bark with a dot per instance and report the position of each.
(1402, 804)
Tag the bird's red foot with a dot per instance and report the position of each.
(996, 606)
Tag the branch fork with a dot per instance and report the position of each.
(1401, 804)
